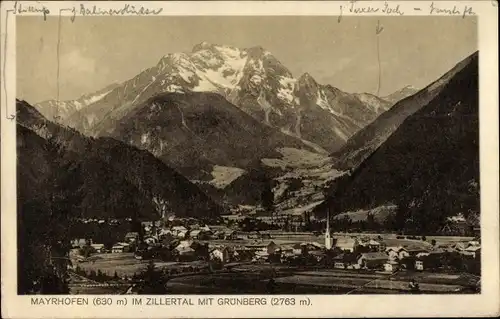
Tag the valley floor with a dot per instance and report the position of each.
(253, 277)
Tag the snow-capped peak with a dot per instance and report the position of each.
(201, 46)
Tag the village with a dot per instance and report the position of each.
(187, 246)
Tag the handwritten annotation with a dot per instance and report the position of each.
(391, 9)
(87, 10)
(127, 9)
(19, 8)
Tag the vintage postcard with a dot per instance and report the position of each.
(249, 159)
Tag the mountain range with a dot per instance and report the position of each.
(252, 79)
(367, 140)
(114, 179)
(425, 159)
(234, 128)
(401, 94)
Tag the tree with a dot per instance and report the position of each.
(161, 206)
(86, 251)
(93, 275)
(154, 280)
(53, 284)
(100, 275)
(371, 223)
(44, 215)
(409, 262)
(267, 198)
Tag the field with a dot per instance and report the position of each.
(389, 239)
(255, 281)
(126, 265)
(123, 263)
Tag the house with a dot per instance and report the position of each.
(339, 265)
(254, 235)
(150, 240)
(416, 251)
(177, 229)
(403, 253)
(272, 248)
(473, 243)
(184, 246)
(353, 266)
(182, 234)
(298, 249)
(99, 248)
(120, 248)
(156, 223)
(194, 233)
(260, 255)
(243, 254)
(201, 234)
(373, 260)
(373, 245)
(165, 232)
(419, 265)
(215, 228)
(399, 252)
(229, 234)
(317, 254)
(346, 243)
(186, 253)
(459, 246)
(218, 234)
(131, 237)
(205, 228)
(391, 266)
(185, 243)
(287, 250)
(80, 242)
(339, 261)
(314, 246)
(393, 252)
(472, 251)
(422, 254)
(221, 254)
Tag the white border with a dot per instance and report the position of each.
(485, 304)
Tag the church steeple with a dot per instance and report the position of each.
(328, 240)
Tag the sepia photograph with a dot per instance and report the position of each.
(248, 155)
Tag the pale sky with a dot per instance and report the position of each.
(98, 51)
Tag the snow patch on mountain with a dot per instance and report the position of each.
(173, 88)
(322, 102)
(186, 75)
(204, 85)
(286, 91)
